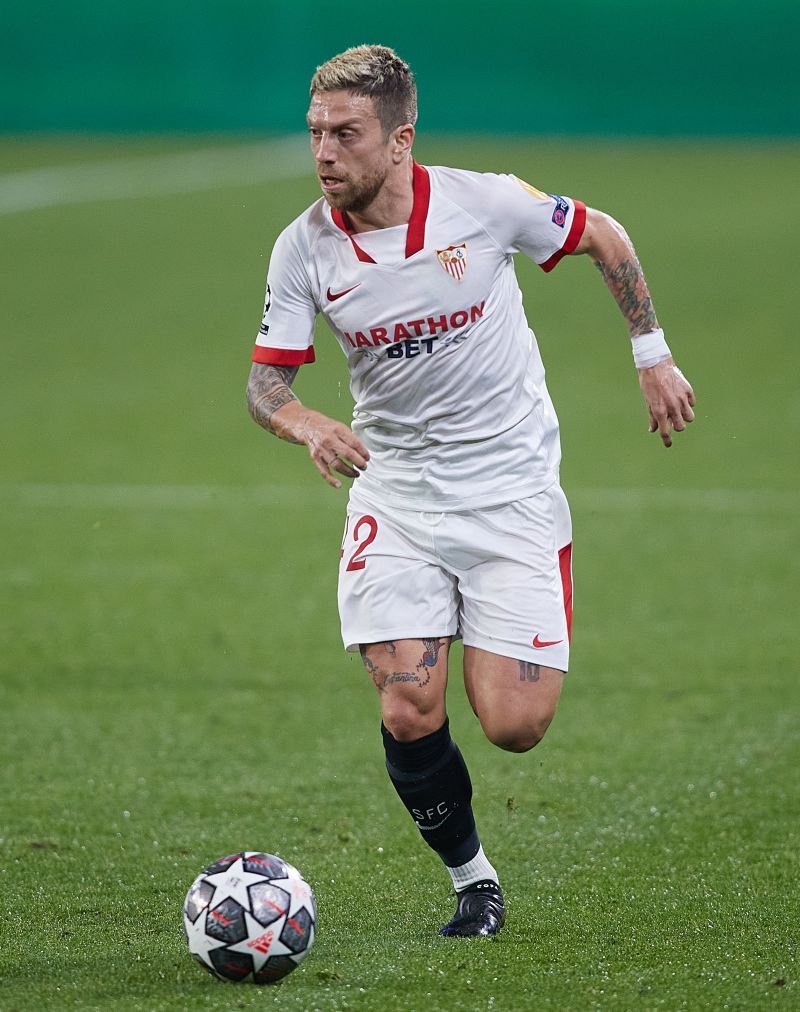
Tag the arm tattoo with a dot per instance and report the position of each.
(268, 390)
(626, 283)
(528, 672)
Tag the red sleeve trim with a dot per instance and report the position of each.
(572, 240)
(283, 356)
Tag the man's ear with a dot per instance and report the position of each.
(402, 139)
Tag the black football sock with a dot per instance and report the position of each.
(433, 783)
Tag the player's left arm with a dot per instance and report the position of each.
(668, 395)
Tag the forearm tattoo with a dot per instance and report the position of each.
(268, 390)
(626, 283)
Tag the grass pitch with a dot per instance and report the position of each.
(173, 685)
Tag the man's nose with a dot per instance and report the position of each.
(326, 149)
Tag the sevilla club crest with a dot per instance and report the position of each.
(454, 260)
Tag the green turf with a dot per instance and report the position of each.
(173, 685)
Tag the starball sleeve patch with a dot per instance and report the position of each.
(560, 210)
(264, 328)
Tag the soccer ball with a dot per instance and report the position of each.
(250, 917)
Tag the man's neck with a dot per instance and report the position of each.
(393, 204)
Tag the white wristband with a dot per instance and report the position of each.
(649, 349)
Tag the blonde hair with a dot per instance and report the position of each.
(376, 72)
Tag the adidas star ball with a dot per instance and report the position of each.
(250, 917)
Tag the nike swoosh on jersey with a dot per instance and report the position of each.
(544, 643)
(333, 296)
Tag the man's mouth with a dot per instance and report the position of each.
(330, 182)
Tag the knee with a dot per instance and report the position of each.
(517, 736)
(407, 720)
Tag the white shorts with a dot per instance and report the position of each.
(500, 578)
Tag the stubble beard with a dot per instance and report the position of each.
(358, 196)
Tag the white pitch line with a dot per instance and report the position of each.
(230, 497)
(704, 500)
(155, 175)
(225, 497)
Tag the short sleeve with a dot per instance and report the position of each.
(545, 226)
(286, 334)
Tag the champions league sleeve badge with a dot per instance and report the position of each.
(561, 209)
(453, 260)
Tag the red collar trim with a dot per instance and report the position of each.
(415, 238)
(341, 219)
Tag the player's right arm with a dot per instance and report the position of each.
(332, 446)
(284, 343)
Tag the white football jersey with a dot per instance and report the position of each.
(449, 387)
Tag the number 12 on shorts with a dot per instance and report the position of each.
(365, 531)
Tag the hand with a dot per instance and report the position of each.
(669, 398)
(332, 446)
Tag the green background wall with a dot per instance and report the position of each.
(617, 66)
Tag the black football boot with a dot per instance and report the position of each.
(481, 911)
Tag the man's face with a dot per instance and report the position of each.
(352, 155)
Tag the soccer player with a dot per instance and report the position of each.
(456, 524)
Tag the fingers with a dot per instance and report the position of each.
(333, 447)
(670, 400)
(324, 470)
(354, 451)
(326, 465)
(675, 415)
(660, 420)
(665, 430)
(344, 467)
(685, 394)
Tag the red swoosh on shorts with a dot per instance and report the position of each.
(333, 296)
(544, 643)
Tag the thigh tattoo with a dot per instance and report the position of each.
(528, 671)
(421, 675)
(431, 655)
